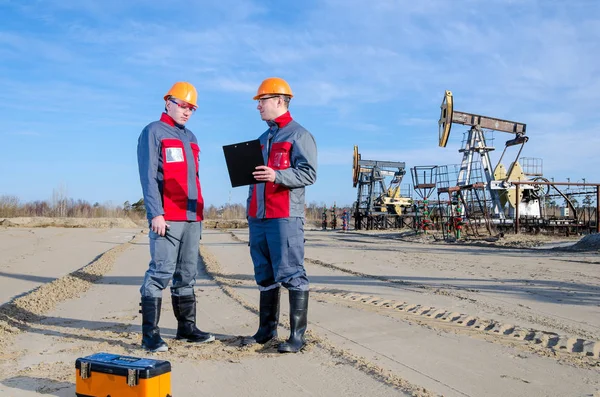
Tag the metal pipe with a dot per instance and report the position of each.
(517, 211)
(598, 209)
(554, 183)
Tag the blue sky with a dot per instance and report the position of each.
(80, 79)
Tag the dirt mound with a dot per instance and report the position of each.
(69, 222)
(501, 241)
(225, 224)
(591, 242)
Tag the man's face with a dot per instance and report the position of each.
(270, 107)
(179, 110)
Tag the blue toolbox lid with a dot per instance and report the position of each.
(114, 364)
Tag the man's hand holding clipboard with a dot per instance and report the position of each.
(264, 174)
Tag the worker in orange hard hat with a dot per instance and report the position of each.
(183, 95)
(275, 212)
(168, 164)
(273, 85)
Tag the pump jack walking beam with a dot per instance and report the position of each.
(449, 116)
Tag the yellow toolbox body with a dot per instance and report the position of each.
(105, 374)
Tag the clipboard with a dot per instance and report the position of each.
(242, 158)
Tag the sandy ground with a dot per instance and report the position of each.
(390, 314)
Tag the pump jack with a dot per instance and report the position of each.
(498, 180)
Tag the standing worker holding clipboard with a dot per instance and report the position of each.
(275, 210)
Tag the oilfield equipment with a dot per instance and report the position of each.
(570, 222)
(424, 178)
(476, 195)
(379, 203)
(345, 220)
(504, 198)
(424, 183)
(333, 217)
(496, 184)
(486, 192)
(331, 222)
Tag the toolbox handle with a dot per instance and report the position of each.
(127, 359)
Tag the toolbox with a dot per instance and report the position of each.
(111, 375)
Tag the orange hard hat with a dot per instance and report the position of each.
(273, 86)
(184, 91)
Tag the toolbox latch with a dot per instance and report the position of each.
(84, 371)
(133, 377)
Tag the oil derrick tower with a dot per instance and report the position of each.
(378, 203)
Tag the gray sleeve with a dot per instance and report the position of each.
(303, 169)
(250, 189)
(195, 140)
(147, 154)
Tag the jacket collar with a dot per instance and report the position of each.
(165, 118)
(281, 121)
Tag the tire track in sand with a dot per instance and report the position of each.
(582, 352)
(20, 313)
(573, 350)
(213, 269)
(27, 314)
(453, 291)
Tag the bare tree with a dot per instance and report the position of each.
(59, 200)
(9, 206)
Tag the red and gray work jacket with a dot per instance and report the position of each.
(168, 163)
(291, 151)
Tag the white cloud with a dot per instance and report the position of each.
(371, 74)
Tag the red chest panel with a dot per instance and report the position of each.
(176, 180)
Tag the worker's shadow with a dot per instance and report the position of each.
(239, 341)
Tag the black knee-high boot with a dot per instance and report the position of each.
(184, 308)
(298, 321)
(151, 339)
(268, 318)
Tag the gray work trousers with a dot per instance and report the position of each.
(277, 251)
(174, 257)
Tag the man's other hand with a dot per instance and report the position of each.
(159, 225)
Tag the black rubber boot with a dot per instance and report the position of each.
(268, 318)
(298, 320)
(151, 339)
(184, 308)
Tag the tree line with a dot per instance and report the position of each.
(12, 206)
(59, 206)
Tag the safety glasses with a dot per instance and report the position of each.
(184, 105)
(264, 99)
